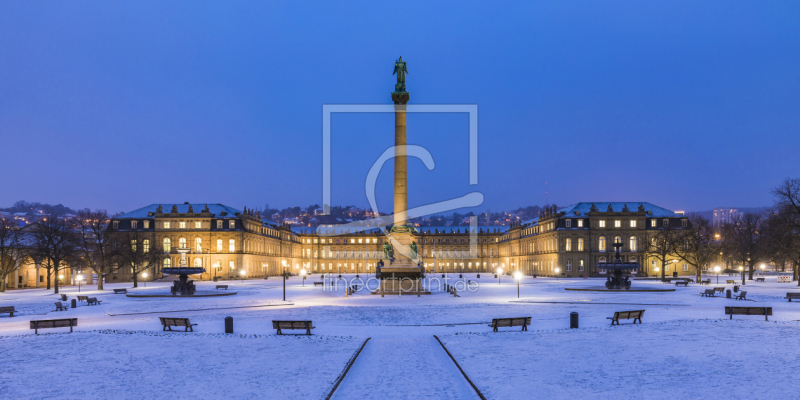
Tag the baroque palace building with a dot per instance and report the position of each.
(571, 241)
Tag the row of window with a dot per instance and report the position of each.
(181, 224)
(198, 244)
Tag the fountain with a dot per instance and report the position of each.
(618, 283)
(183, 285)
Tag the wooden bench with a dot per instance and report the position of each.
(319, 283)
(759, 279)
(637, 314)
(61, 307)
(54, 323)
(280, 325)
(120, 291)
(721, 290)
(222, 287)
(705, 282)
(83, 298)
(168, 323)
(684, 283)
(509, 322)
(765, 311)
(708, 293)
(730, 282)
(742, 295)
(93, 300)
(789, 296)
(10, 310)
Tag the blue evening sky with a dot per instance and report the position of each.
(688, 105)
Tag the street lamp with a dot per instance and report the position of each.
(79, 277)
(557, 271)
(716, 269)
(499, 274)
(518, 275)
(144, 275)
(742, 269)
(241, 274)
(762, 269)
(303, 274)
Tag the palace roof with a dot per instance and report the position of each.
(584, 208)
(216, 209)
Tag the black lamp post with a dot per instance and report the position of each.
(284, 283)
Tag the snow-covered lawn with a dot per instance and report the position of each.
(686, 347)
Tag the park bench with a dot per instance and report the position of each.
(666, 280)
(61, 307)
(168, 323)
(684, 283)
(83, 298)
(53, 323)
(93, 300)
(222, 287)
(708, 293)
(759, 279)
(10, 310)
(742, 295)
(765, 311)
(319, 283)
(509, 322)
(280, 325)
(120, 291)
(730, 282)
(719, 289)
(789, 296)
(637, 314)
(63, 297)
(705, 282)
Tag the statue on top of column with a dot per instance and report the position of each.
(401, 71)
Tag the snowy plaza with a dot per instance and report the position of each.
(686, 346)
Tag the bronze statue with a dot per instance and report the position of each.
(401, 71)
(413, 250)
(387, 250)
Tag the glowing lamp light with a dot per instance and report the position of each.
(60, 276)
(518, 275)
(716, 269)
(499, 271)
(741, 268)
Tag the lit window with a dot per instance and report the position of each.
(359, 240)
(197, 225)
(633, 223)
(568, 245)
(632, 243)
(166, 224)
(352, 240)
(167, 262)
(134, 224)
(219, 245)
(580, 265)
(182, 243)
(232, 225)
(231, 265)
(601, 245)
(232, 246)
(133, 245)
(569, 223)
(653, 223)
(198, 262)
(167, 245)
(580, 223)
(182, 225)
(617, 223)
(146, 224)
(116, 224)
(146, 245)
(602, 224)
(580, 244)
(198, 245)
(217, 266)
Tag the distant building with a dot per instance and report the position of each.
(724, 216)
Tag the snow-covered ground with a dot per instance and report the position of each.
(686, 347)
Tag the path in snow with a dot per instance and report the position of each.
(404, 368)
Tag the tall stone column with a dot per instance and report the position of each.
(400, 160)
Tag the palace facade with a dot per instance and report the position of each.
(570, 241)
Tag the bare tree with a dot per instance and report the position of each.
(660, 244)
(746, 241)
(138, 251)
(53, 240)
(787, 204)
(12, 249)
(94, 243)
(698, 244)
